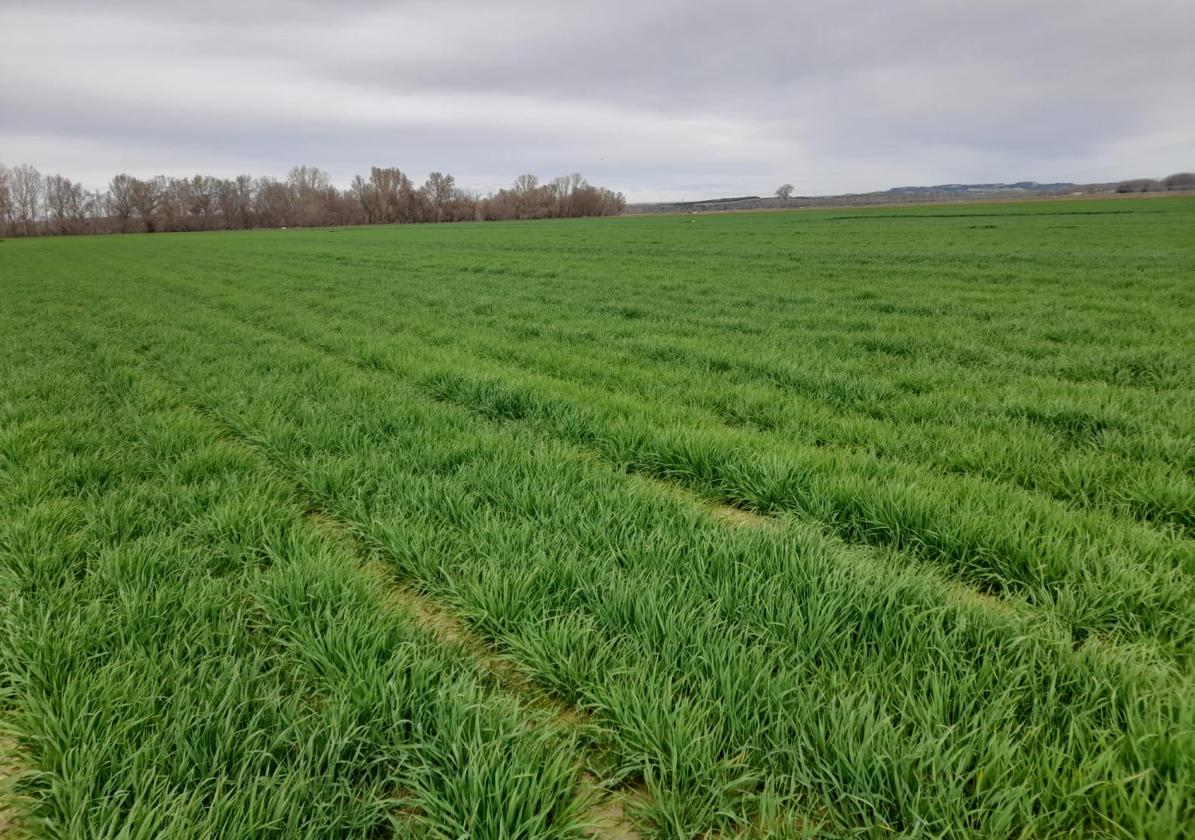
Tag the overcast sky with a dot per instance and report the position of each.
(657, 98)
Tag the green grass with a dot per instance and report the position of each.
(877, 523)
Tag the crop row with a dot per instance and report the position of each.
(727, 663)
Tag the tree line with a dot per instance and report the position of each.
(33, 204)
(1177, 181)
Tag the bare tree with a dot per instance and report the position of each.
(530, 199)
(465, 206)
(568, 195)
(234, 198)
(784, 192)
(26, 190)
(64, 204)
(75, 205)
(498, 206)
(273, 203)
(1179, 181)
(396, 198)
(438, 193)
(367, 196)
(1139, 185)
(525, 184)
(120, 199)
(595, 201)
(95, 210)
(306, 180)
(32, 204)
(5, 199)
(147, 200)
(565, 191)
(202, 192)
(173, 204)
(309, 187)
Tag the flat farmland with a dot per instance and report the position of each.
(841, 523)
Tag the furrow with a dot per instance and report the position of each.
(11, 766)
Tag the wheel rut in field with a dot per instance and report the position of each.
(443, 625)
(10, 767)
(608, 813)
(955, 592)
(610, 817)
(736, 517)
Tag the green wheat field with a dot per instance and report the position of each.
(856, 523)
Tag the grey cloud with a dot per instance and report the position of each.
(665, 98)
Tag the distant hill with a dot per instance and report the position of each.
(984, 189)
(912, 195)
